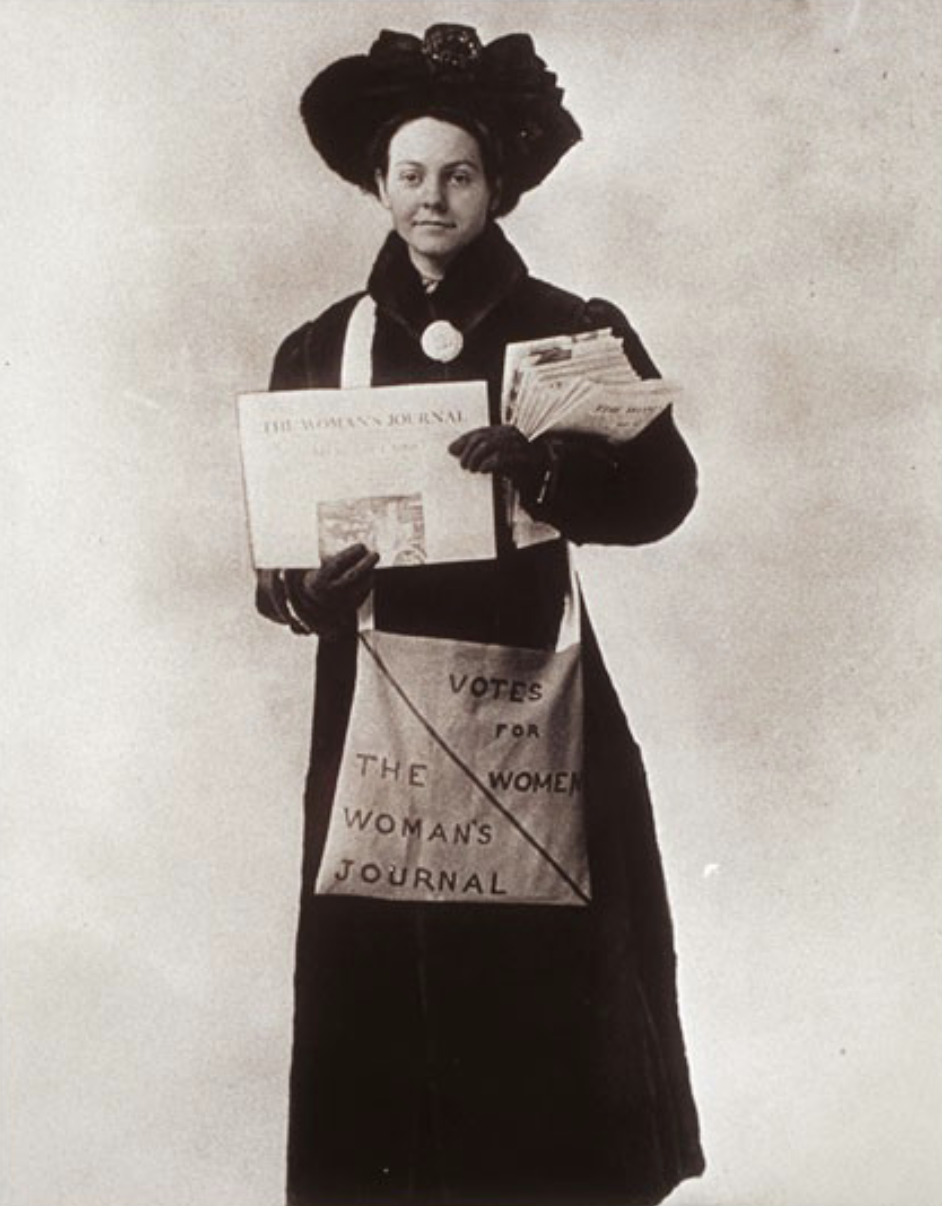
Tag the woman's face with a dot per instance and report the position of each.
(436, 189)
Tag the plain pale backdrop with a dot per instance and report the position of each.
(759, 189)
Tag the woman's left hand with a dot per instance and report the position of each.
(503, 450)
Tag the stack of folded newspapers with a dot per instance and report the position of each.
(579, 383)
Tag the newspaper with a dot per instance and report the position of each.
(324, 469)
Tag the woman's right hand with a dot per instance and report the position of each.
(327, 598)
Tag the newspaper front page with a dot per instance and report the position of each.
(324, 469)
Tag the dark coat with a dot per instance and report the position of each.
(494, 1055)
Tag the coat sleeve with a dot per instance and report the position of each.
(633, 493)
(309, 358)
(271, 596)
(290, 370)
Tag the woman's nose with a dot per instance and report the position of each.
(433, 194)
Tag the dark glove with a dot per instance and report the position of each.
(504, 450)
(326, 598)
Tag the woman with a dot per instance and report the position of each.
(443, 1053)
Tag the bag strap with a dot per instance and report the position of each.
(356, 366)
(356, 372)
(570, 622)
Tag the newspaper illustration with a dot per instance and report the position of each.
(324, 469)
(394, 527)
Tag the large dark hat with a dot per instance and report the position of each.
(504, 86)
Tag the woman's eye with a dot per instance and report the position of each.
(410, 178)
(461, 178)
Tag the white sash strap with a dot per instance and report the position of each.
(356, 372)
(570, 623)
(356, 368)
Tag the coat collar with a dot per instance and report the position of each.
(478, 279)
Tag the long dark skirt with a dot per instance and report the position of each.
(493, 1055)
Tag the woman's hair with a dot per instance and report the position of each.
(492, 156)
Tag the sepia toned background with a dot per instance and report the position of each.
(759, 189)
